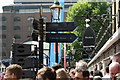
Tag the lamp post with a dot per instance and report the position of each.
(56, 10)
(55, 14)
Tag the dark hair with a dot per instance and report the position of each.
(47, 72)
(56, 66)
(85, 73)
(107, 69)
(97, 73)
(16, 69)
(91, 72)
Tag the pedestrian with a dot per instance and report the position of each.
(13, 72)
(62, 74)
(72, 74)
(106, 73)
(56, 66)
(116, 58)
(114, 68)
(46, 73)
(97, 75)
(81, 71)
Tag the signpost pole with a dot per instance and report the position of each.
(56, 52)
(41, 39)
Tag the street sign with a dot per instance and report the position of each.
(60, 26)
(60, 37)
(89, 37)
(89, 40)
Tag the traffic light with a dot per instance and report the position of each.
(36, 24)
(26, 62)
(35, 36)
(21, 49)
(23, 56)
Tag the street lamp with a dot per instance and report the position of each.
(55, 10)
(55, 13)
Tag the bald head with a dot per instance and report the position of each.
(114, 68)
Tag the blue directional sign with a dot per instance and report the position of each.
(60, 26)
(60, 37)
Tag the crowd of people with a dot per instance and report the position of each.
(57, 72)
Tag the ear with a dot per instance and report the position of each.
(13, 75)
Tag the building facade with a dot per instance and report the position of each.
(112, 47)
(17, 22)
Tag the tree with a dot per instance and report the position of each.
(81, 9)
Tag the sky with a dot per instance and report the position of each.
(5, 2)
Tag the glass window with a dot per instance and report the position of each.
(16, 27)
(17, 19)
(17, 37)
(3, 54)
(4, 27)
(3, 36)
(4, 18)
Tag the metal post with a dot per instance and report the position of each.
(41, 33)
(69, 60)
(56, 52)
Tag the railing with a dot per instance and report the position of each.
(104, 33)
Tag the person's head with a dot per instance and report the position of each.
(114, 68)
(97, 78)
(106, 70)
(46, 73)
(56, 66)
(97, 73)
(13, 71)
(81, 70)
(116, 58)
(62, 74)
(72, 73)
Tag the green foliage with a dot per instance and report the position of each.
(82, 8)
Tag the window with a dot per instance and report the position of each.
(4, 18)
(3, 54)
(17, 37)
(4, 27)
(16, 27)
(16, 19)
(3, 36)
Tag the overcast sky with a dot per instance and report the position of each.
(5, 2)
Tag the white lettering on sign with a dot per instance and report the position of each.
(89, 37)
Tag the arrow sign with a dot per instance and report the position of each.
(60, 26)
(60, 37)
